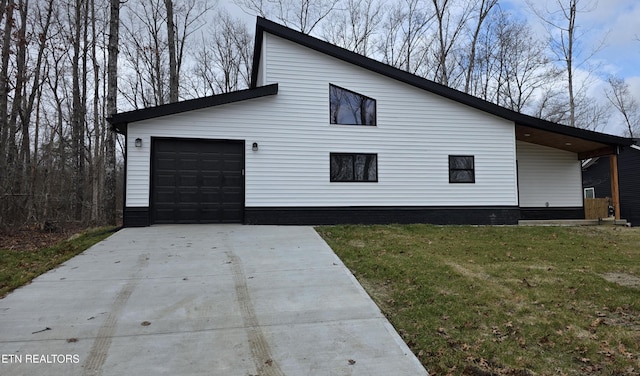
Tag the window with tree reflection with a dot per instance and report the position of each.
(350, 108)
(353, 167)
(461, 169)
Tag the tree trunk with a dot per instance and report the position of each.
(171, 41)
(77, 123)
(97, 165)
(4, 85)
(112, 92)
(569, 60)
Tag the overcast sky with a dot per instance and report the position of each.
(610, 26)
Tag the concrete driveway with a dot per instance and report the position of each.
(200, 300)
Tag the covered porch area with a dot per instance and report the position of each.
(550, 175)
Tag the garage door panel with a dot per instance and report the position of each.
(233, 181)
(166, 164)
(187, 164)
(197, 181)
(167, 197)
(186, 215)
(212, 180)
(188, 181)
(164, 215)
(230, 198)
(165, 180)
(188, 197)
(211, 197)
(231, 166)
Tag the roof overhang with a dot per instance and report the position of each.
(120, 121)
(583, 147)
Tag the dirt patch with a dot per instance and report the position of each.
(29, 240)
(623, 279)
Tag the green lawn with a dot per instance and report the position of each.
(504, 300)
(18, 267)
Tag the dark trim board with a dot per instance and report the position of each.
(135, 217)
(552, 213)
(119, 121)
(480, 215)
(476, 215)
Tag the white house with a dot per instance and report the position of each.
(324, 136)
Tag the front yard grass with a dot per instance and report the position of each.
(20, 266)
(504, 300)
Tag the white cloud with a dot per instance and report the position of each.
(634, 86)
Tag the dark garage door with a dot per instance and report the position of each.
(197, 181)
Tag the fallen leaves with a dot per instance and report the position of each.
(29, 240)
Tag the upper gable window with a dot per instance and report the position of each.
(350, 108)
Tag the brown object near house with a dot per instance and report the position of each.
(596, 208)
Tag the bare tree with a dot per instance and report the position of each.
(450, 23)
(625, 103)
(405, 43)
(223, 62)
(522, 63)
(565, 35)
(303, 15)
(147, 52)
(354, 26)
(482, 11)
(43, 21)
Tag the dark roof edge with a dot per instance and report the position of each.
(120, 120)
(276, 29)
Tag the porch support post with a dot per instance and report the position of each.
(615, 192)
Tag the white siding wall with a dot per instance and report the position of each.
(416, 133)
(548, 175)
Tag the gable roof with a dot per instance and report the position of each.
(119, 121)
(528, 128)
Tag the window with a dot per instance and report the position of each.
(349, 108)
(353, 167)
(590, 192)
(461, 169)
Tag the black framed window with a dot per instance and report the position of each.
(350, 108)
(353, 167)
(462, 169)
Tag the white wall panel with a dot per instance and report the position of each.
(548, 175)
(416, 133)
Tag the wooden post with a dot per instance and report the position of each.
(615, 192)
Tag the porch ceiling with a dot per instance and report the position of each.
(584, 148)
